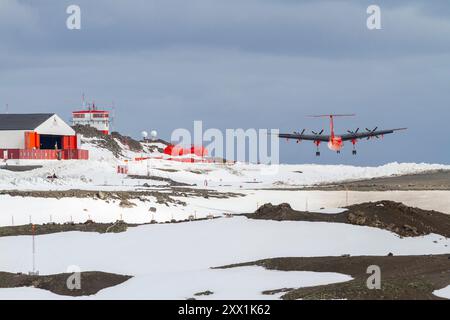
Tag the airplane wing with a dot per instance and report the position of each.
(300, 136)
(368, 134)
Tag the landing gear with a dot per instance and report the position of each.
(354, 148)
(338, 152)
(317, 143)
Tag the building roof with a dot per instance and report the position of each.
(91, 111)
(23, 121)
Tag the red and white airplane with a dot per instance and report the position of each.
(336, 142)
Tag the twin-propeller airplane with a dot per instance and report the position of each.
(336, 142)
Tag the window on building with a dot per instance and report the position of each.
(100, 115)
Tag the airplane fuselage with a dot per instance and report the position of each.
(335, 143)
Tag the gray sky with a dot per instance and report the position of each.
(239, 64)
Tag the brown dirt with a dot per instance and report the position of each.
(204, 293)
(19, 168)
(141, 195)
(424, 181)
(393, 216)
(91, 282)
(48, 228)
(134, 145)
(167, 170)
(402, 277)
(161, 197)
(430, 180)
(169, 181)
(88, 226)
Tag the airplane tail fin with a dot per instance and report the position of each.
(331, 117)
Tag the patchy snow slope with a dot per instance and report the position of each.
(100, 174)
(62, 210)
(174, 260)
(100, 171)
(253, 176)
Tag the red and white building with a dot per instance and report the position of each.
(94, 117)
(38, 136)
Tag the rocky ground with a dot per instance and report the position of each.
(48, 228)
(393, 216)
(161, 197)
(424, 181)
(91, 282)
(18, 168)
(108, 141)
(431, 180)
(402, 277)
(88, 226)
(169, 181)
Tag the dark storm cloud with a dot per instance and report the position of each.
(233, 63)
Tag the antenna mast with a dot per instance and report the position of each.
(113, 115)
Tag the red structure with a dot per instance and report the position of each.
(176, 150)
(33, 141)
(122, 169)
(36, 154)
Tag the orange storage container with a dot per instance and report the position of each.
(32, 140)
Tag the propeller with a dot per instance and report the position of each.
(375, 129)
(372, 131)
(353, 132)
(303, 131)
(317, 134)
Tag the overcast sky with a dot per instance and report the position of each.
(240, 64)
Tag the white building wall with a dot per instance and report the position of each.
(101, 124)
(56, 126)
(12, 139)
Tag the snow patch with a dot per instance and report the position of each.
(443, 293)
